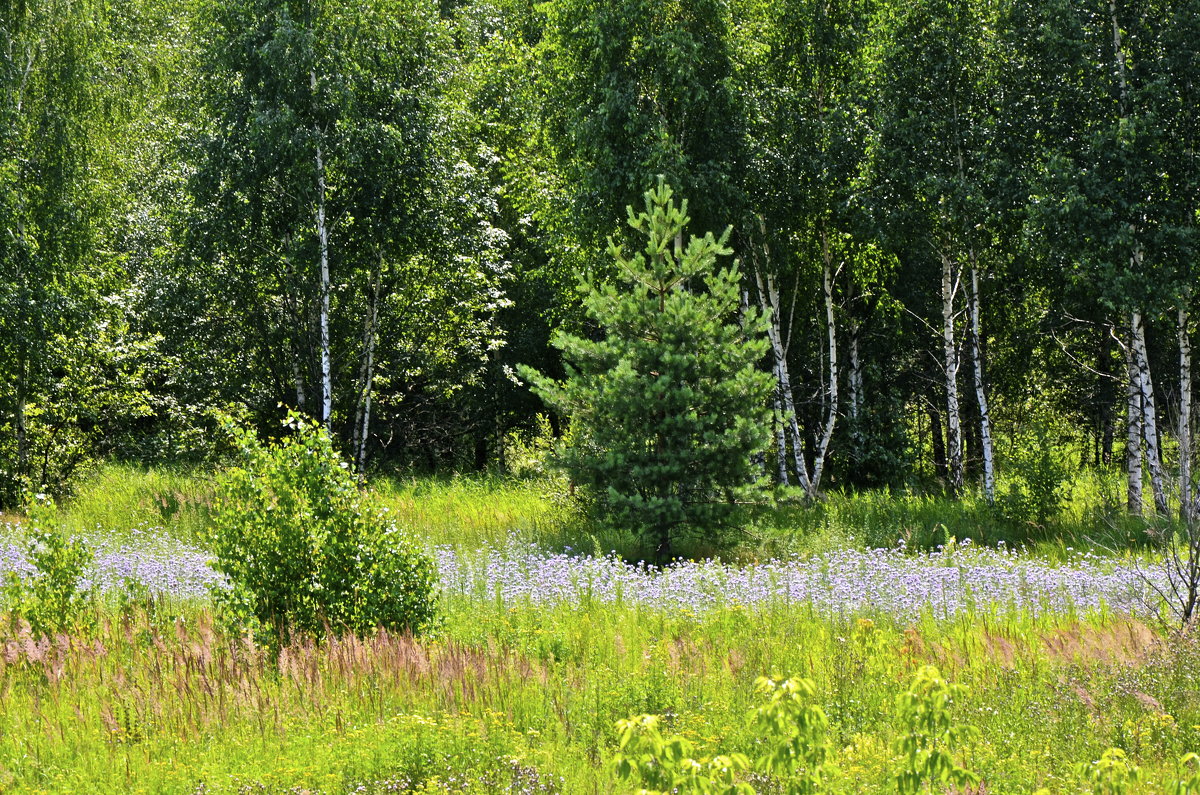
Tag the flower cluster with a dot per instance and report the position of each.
(846, 582)
(147, 557)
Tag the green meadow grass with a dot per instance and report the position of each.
(149, 704)
(487, 510)
(157, 698)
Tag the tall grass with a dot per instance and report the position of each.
(520, 697)
(530, 695)
(471, 512)
(488, 510)
(118, 497)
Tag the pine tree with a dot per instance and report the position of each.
(668, 408)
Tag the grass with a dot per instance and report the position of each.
(156, 697)
(471, 512)
(150, 705)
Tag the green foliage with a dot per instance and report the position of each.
(305, 552)
(793, 732)
(666, 764)
(1036, 492)
(930, 738)
(790, 729)
(1111, 774)
(54, 599)
(636, 88)
(1190, 783)
(668, 408)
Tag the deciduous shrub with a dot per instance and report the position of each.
(54, 598)
(930, 738)
(792, 730)
(305, 552)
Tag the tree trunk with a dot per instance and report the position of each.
(856, 378)
(777, 406)
(323, 241)
(1149, 415)
(1186, 508)
(362, 418)
(832, 387)
(1108, 401)
(985, 420)
(757, 460)
(938, 441)
(22, 422)
(768, 296)
(950, 352)
(780, 432)
(1133, 437)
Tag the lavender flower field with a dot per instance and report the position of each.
(848, 582)
(890, 583)
(145, 556)
(542, 652)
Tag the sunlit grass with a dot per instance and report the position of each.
(521, 696)
(152, 704)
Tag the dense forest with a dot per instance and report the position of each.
(972, 225)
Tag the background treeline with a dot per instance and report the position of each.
(974, 223)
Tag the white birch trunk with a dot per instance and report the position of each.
(780, 432)
(768, 296)
(985, 419)
(298, 379)
(1186, 508)
(323, 241)
(362, 419)
(856, 379)
(832, 387)
(22, 431)
(777, 408)
(950, 352)
(1149, 415)
(1133, 436)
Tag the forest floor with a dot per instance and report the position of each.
(553, 632)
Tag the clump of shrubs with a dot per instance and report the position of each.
(304, 551)
(55, 597)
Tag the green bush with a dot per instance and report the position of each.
(54, 599)
(304, 553)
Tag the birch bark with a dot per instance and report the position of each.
(1149, 415)
(985, 419)
(1133, 437)
(856, 380)
(323, 241)
(831, 406)
(362, 424)
(768, 296)
(950, 353)
(1186, 508)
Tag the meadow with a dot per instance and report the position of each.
(552, 632)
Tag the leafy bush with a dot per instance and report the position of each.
(792, 731)
(53, 599)
(1111, 774)
(930, 737)
(1035, 495)
(304, 552)
(666, 764)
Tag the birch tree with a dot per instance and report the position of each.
(48, 67)
(1113, 180)
(934, 121)
(338, 207)
(799, 66)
